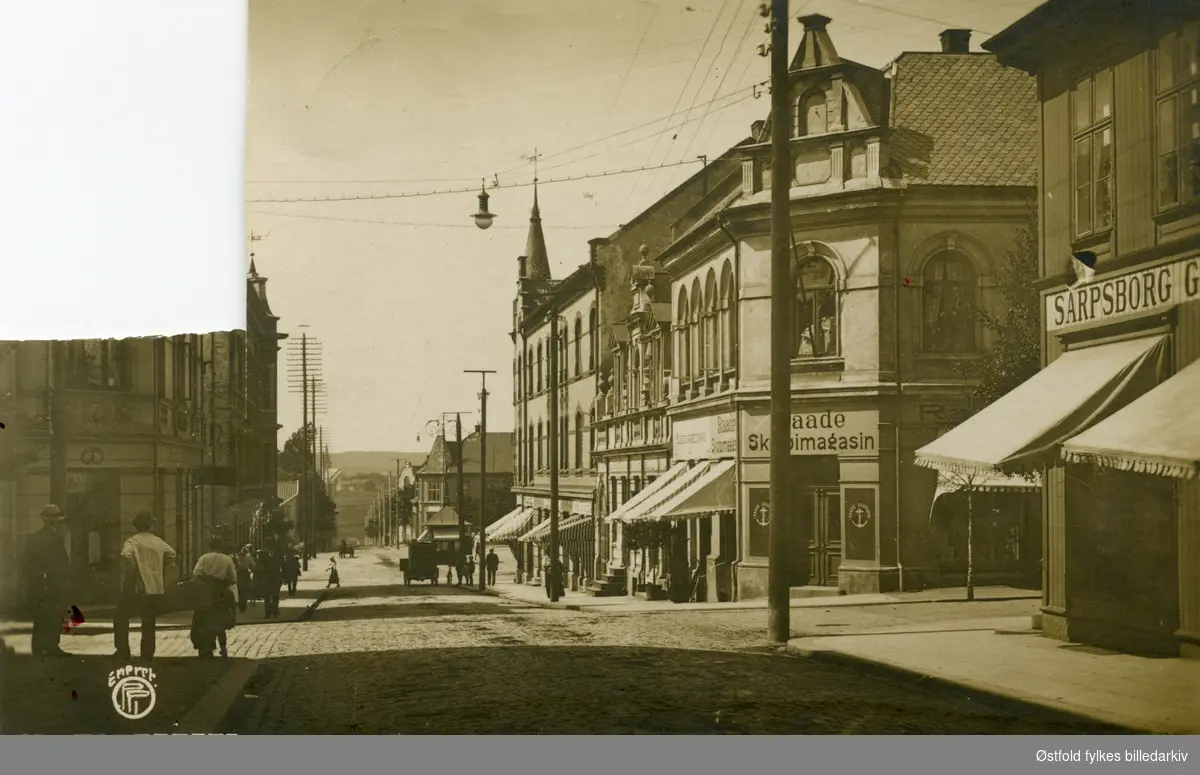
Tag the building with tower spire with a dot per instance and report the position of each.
(591, 303)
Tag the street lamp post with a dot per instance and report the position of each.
(554, 441)
(482, 540)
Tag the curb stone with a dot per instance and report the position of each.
(985, 693)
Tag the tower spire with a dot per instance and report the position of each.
(537, 261)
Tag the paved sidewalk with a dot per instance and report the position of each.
(1003, 656)
(579, 601)
(308, 594)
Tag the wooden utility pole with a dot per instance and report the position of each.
(778, 573)
(482, 541)
(462, 500)
(303, 511)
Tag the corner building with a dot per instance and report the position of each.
(909, 184)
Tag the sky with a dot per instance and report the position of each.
(364, 98)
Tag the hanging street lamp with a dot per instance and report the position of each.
(483, 218)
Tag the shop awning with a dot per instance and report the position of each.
(501, 523)
(1157, 434)
(542, 531)
(515, 527)
(649, 507)
(949, 482)
(712, 491)
(649, 491)
(1026, 427)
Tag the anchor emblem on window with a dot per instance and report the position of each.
(860, 515)
(762, 514)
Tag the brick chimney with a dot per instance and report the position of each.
(956, 41)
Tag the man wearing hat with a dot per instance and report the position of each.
(145, 557)
(47, 568)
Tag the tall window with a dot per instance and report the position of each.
(711, 332)
(816, 309)
(682, 346)
(948, 299)
(541, 447)
(728, 310)
(1092, 100)
(578, 345)
(1178, 87)
(694, 330)
(579, 440)
(564, 443)
(529, 371)
(530, 452)
(635, 378)
(517, 369)
(591, 436)
(99, 364)
(810, 114)
(593, 340)
(562, 358)
(539, 367)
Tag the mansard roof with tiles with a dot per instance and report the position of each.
(939, 118)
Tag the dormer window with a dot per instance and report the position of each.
(811, 117)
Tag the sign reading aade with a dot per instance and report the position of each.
(1132, 293)
(704, 438)
(816, 433)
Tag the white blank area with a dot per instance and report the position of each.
(122, 136)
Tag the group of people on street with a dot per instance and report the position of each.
(223, 583)
(465, 569)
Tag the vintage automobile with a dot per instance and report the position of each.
(421, 563)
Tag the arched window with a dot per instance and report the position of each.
(694, 330)
(593, 340)
(728, 311)
(579, 440)
(539, 367)
(541, 447)
(816, 310)
(529, 371)
(683, 365)
(578, 345)
(520, 454)
(948, 299)
(564, 444)
(531, 465)
(711, 332)
(562, 357)
(517, 378)
(810, 114)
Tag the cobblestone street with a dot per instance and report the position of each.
(379, 657)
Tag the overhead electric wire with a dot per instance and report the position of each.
(471, 190)
(679, 98)
(720, 85)
(305, 216)
(628, 70)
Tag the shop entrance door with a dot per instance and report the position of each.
(824, 506)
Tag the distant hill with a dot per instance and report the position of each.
(359, 463)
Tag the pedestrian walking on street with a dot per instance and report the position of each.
(334, 580)
(147, 560)
(245, 577)
(449, 574)
(216, 578)
(491, 565)
(470, 571)
(291, 571)
(460, 569)
(269, 575)
(46, 567)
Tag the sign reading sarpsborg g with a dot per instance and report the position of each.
(824, 432)
(1124, 295)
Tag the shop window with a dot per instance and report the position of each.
(816, 309)
(99, 364)
(948, 300)
(1178, 134)
(1092, 107)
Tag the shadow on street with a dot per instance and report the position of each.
(521, 689)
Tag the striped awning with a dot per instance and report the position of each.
(709, 493)
(542, 531)
(499, 525)
(665, 495)
(648, 492)
(514, 528)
